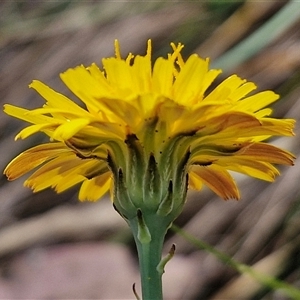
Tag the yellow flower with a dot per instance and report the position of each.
(148, 132)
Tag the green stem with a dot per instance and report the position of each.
(149, 253)
(151, 280)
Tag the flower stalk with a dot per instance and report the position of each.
(150, 252)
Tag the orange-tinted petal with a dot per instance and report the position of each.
(218, 180)
(32, 158)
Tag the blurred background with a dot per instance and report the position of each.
(54, 247)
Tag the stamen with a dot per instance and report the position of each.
(129, 58)
(117, 50)
(176, 54)
(149, 49)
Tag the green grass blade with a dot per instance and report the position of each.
(260, 38)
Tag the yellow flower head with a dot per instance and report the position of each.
(146, 131)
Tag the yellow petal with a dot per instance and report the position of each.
(218, 180)
(119, 75)
(28, 131)
(242, 91)
(87, 88)
(70, 167)
(141, 74)
(195, 182)
(263, 113)
(57, 100)
(162, 78)
(24, 115)
(97, 74)
(67, 182)
(93, 189)
(210, 76)
(32, 158)
(62, 112)
(68, 129)
(91, 136)
(171, 114)
(228, 124)
(253, 152)
(258, 169)
(224, 90)
(123, 112)
(51, 172)
(267, 153)
(146, 105)
(257, 101)
(274, 126)
(188, 84)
